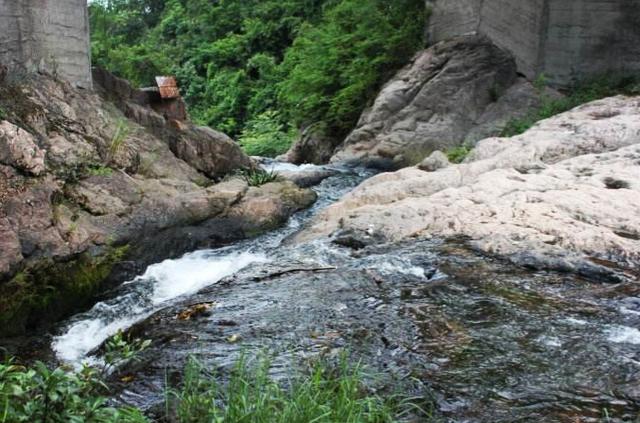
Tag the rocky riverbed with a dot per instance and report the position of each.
(480, 338)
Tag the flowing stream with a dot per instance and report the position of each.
(169, 280)
(484, 340)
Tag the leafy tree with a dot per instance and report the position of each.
(336, 67)
(310, 60)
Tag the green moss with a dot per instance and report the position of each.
(48, 290)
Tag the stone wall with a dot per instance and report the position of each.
(46, 35)
(566, 40)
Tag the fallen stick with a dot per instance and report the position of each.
(294, 270)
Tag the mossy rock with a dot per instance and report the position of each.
(47, 291)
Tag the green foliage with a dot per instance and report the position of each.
(327, 394)
(40, 394)
(119, 350)
(540, 83)
(258, 177)
(3, 114)
(313, 60)
(336, 67)
(99, 170)
(458, 154)
(118, 139)
(585, 92)
(265, 136)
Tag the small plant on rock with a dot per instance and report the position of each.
(121, 134)
(458, 154)
(258, 177)
(119, 350)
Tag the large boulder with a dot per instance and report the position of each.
(564, 195)
(457, 91)
(313, 146)
(211, 152)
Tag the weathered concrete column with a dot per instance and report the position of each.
(46, 35)
(567, 40)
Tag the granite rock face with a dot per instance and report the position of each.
(313, 147)
(18, 149)
(564, 195)
(457, 91)
(566, 40)
(84, 191)
(46, 35)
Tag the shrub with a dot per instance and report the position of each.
(265, 136)
(60, 395)
(39, 394)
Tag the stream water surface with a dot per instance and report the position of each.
(486, 341)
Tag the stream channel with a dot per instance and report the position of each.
(485, 340)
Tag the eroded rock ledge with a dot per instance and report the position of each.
(89, 196)
(565, 195)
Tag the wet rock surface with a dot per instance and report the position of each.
(488, 341)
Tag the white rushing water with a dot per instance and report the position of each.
(145, 294)
(623, 335)
(163, 283)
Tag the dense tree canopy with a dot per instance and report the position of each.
(241, 63)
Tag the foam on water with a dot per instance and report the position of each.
(623, 335)
(574, 321)
(160, 283)
(193, 272)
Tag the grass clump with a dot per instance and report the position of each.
(326, 395)
(582, 93)
(259, 177)
(118, 139)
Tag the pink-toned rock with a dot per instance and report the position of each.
(18, 148)
(568, 186)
